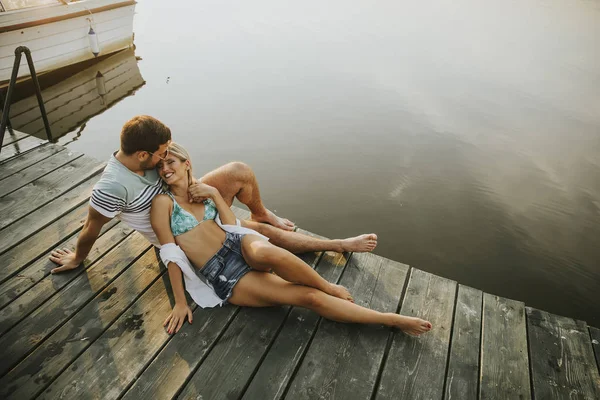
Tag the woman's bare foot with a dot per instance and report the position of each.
(411, 325)
(360, 244)
(339, 291)
(272, 219)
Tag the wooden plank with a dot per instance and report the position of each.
(30, 197)
(17, 258)
(562, 359)
(113, 361)
(233, 360)
(463, 367)
(36, 171)
(185, 351)
(235, 355)
(16, 148)
(288, 349)
(56, 353)
(504, 372)
(25, 160)
(12, 136)
(25, 227)
(154, 339)
(416, 366)
(29, 333)
(176, 362)
(41, 267)
(595, 335)
(49, 285)
(343, 360)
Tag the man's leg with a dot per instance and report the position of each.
(237, 180)
(300, 243)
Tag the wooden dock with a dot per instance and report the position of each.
(96, 332)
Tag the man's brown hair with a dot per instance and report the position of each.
(143, 133)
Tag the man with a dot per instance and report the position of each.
(130, 182)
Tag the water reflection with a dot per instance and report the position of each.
(75, 94)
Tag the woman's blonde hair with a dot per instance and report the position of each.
(181, 153)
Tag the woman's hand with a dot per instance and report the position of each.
(177, 317)
(199, 192)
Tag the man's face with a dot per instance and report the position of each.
(154, 157)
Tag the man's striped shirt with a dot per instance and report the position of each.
(128, 196)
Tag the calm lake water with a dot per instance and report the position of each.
(465, 134)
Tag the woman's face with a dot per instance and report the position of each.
(172, 169)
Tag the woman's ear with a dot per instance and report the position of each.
(187, 165)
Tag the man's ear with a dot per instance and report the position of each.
(142, 156)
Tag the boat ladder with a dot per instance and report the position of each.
(11, 86)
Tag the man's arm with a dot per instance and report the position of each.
(91, 229)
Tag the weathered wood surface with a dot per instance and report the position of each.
(47, 362)
(233, 359)
(96, 332)
(30, 332)
(111, 363)
(36, 194)
(504, 358)
(52, 284)
(288, 349)
(231, 363)
(33, 273)
(330, 367)
(416, 366)
(36, 171)
(595, 336)
(30, 224)
(17, 164)
(185, 352)
(562, 360)
(22, 146)
(11, 136)
(462, 376)
(18, 257)
(169, 370)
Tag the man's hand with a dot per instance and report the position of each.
(177, 317)
(65, 258)
(200, 191)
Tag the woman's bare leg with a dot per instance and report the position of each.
(260, 289)
(263, 256)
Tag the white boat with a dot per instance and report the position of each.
(61, 32)
(85, 91)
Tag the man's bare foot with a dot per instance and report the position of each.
(360, 244)
(272, 219)
(340, 292)
(411, 325)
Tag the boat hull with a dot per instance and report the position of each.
(58, 35)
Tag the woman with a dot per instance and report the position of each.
(236, 261)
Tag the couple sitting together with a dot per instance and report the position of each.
(149, 185)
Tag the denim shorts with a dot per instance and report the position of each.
(226, 267)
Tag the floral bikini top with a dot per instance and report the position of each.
(183, 221)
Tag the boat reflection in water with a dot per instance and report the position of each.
(72, 97)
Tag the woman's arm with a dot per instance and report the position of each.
(160, 219)
(227, 216)
(202, 190)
